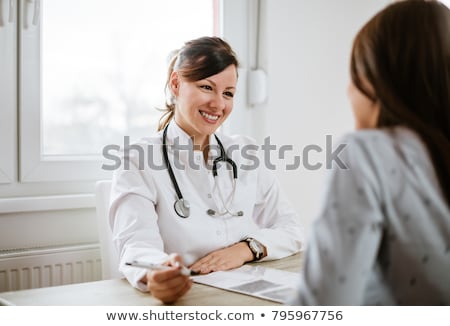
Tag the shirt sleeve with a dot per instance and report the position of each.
(133, 220)
(280, 230)
(345, 238)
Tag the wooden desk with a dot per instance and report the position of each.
(119, 292)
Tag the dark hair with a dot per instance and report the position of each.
(404, 53)
(196, 60)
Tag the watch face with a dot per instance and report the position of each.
(256, 248)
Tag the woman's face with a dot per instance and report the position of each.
(202, 106)
(365, 110)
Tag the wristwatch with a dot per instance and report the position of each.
(256, 247)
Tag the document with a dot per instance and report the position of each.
(262, 282)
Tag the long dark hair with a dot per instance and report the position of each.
(404, 52)
(196, 60)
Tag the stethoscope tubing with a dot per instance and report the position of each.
(181, 205)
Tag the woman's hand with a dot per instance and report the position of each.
(168, 285)
(223, 259)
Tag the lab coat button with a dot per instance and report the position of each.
(209, 196)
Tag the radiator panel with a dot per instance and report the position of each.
(28, 269)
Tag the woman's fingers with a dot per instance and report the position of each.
(221, 260)
(165, 275)
(173, 292)
(169, 285)
(174, 260)
(224, 259)
(203, 264)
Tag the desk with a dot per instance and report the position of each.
(119, 292)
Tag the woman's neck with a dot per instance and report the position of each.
(201, 144)
(199, 141)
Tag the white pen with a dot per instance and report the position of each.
(157, 267)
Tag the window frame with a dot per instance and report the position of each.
(8, 91)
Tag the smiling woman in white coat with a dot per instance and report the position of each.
(191, 196)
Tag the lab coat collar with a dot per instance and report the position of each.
(176, 135)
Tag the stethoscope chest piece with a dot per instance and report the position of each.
(182, 208)
(181, 205)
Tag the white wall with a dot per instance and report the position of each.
(305, 46)
(305, 51)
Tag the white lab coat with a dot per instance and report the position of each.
(146, 227)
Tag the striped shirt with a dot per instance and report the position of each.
(383, 233)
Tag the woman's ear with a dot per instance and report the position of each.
(174, 83)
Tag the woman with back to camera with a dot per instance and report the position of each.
(383, 235)
(191, 196)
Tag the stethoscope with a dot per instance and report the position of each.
(181, 205)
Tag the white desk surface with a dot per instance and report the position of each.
(119, 292)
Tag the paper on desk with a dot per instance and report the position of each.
(263, 282)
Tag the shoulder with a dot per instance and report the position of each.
(374, 156)
(366, 138)
(249, 157)
(243, 149)
(230, 140)
(368, 144)
(362, 154)
(378, 145)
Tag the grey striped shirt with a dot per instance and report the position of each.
(383, 233)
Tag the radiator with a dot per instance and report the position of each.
(49, 266)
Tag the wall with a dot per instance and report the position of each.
(305, 51)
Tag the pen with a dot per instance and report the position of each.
(157, 267)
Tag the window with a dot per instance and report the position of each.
(77, 76)
(93, 71)
(104, 67)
